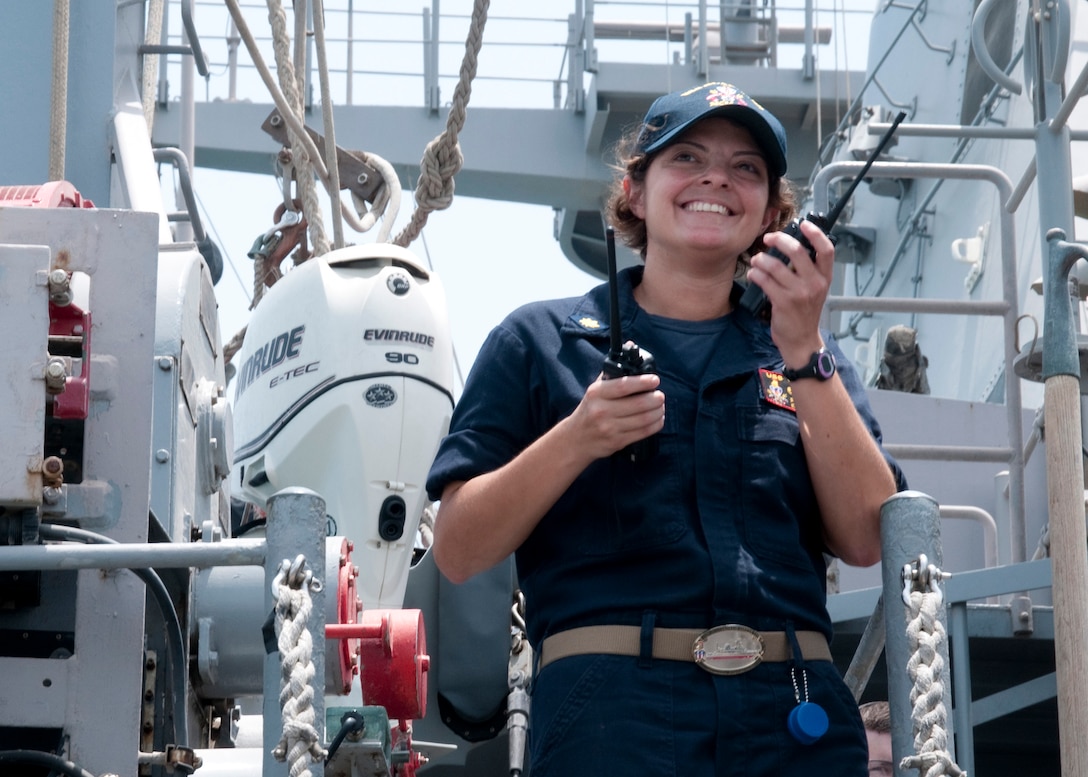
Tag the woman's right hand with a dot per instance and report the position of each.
(617, 412)
(484, 519)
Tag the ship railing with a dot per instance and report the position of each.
(743, 34)
(1006, 308)
(391, 55)
(910, 530)
(1021, 576)
(885, 628)
(378, 57)
(698, 34)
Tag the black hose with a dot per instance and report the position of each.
(38, 758)
(175, 637)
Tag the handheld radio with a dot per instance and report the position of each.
(625, 358)
(753, 299)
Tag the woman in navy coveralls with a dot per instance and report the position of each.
(625, 564)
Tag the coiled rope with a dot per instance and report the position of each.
(299, 744)
(926, 634)
(442, 158)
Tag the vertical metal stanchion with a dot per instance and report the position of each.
(909, 528)
(959, 639)
(296, 526)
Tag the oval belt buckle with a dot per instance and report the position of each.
(728, 649)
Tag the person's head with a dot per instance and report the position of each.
(876, 717)
(675, 119)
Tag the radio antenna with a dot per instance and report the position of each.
(615, 336)
(836, 211)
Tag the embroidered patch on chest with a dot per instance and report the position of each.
(776, 389)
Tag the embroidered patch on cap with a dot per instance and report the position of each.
(776, 389)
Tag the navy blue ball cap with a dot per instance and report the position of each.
(673, 113)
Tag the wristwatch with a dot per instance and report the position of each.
(820, 366)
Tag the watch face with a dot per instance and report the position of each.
(825, 365)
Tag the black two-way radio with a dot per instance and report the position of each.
(753, 299)
(624, 358)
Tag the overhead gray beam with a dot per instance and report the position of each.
(522, 155)
(549, 157)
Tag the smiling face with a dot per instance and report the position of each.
(706, 196)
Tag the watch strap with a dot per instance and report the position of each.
(821, 366)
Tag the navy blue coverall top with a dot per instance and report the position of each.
(721, 526)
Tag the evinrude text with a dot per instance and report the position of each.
(282, 347)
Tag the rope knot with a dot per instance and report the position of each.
(300, 742)
(442, 159)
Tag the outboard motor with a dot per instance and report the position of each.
(344, 386)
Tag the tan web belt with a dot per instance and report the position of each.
(728, 649)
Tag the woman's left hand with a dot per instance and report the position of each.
(796, 291)
(847, 469)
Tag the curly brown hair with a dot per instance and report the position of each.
(632, 229)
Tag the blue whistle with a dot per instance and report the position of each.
(807, 722)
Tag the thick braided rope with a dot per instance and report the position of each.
(58, 105)
(926, 633)
(304, 173)
(233, 345)
(299, 744)
(442, 158)
(149, 86)
(260, 273)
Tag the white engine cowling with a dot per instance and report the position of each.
(344, 386)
